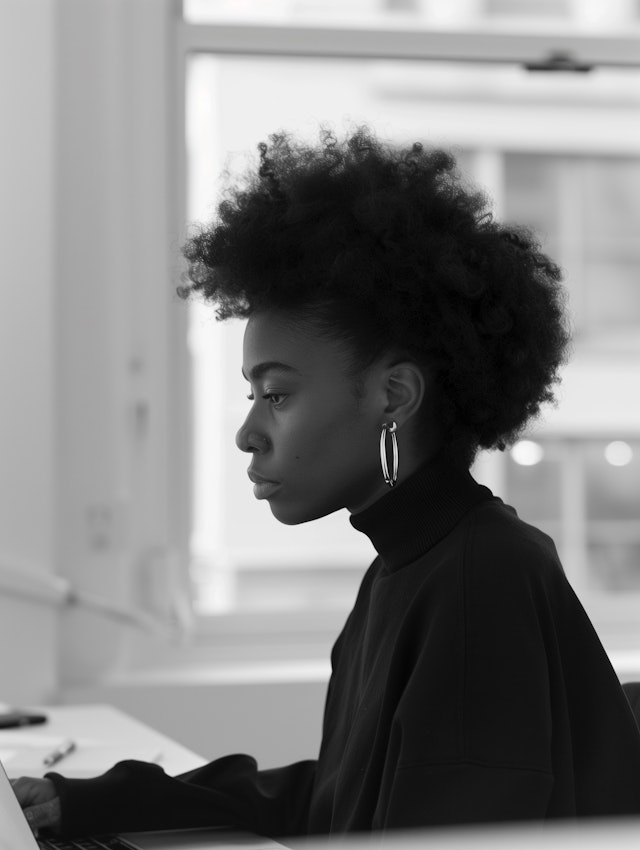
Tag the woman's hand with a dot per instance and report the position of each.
(39, 800)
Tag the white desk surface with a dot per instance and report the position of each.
(103, 736)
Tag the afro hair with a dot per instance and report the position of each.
(389, 249)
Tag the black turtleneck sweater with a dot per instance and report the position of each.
(468, 685)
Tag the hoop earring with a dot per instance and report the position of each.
(389, 429)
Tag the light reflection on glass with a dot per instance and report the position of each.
(618, 453)
(527, 452)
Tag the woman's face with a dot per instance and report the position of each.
(314, 444)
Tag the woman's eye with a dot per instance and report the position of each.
(276, 399)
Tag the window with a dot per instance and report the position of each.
(585, 493)
(587, 207)
(558, 152)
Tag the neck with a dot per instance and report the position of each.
(420, 511)
(410, 462)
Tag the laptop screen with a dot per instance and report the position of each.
(16, 832)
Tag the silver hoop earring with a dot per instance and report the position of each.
(389, 429)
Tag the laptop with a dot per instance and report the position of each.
(16, 834)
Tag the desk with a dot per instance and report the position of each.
(104, 736)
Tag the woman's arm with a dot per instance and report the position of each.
(230, 791)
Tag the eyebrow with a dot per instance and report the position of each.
(260, 369)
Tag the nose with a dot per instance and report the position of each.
(248, 438)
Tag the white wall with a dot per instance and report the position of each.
(27, 351)
(114, 259)
(86, 250)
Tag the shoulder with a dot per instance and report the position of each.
(503, 549)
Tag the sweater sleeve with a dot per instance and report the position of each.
(230, 792)
(463, 793)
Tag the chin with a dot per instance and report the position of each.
(298, 514)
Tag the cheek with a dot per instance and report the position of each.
(332, 432)
(336, 445)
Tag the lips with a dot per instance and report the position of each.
(262, 487)
(259, 479)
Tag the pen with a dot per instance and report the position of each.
(65, 748)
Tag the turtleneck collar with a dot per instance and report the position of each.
(412, 517)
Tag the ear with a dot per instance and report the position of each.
(405, 388)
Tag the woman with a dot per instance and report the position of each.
(394, 328)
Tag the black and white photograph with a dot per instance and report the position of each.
(320, 444)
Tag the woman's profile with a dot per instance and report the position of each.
(395, 328)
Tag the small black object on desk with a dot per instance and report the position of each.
(13, 719)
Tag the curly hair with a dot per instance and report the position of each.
(388, 249)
